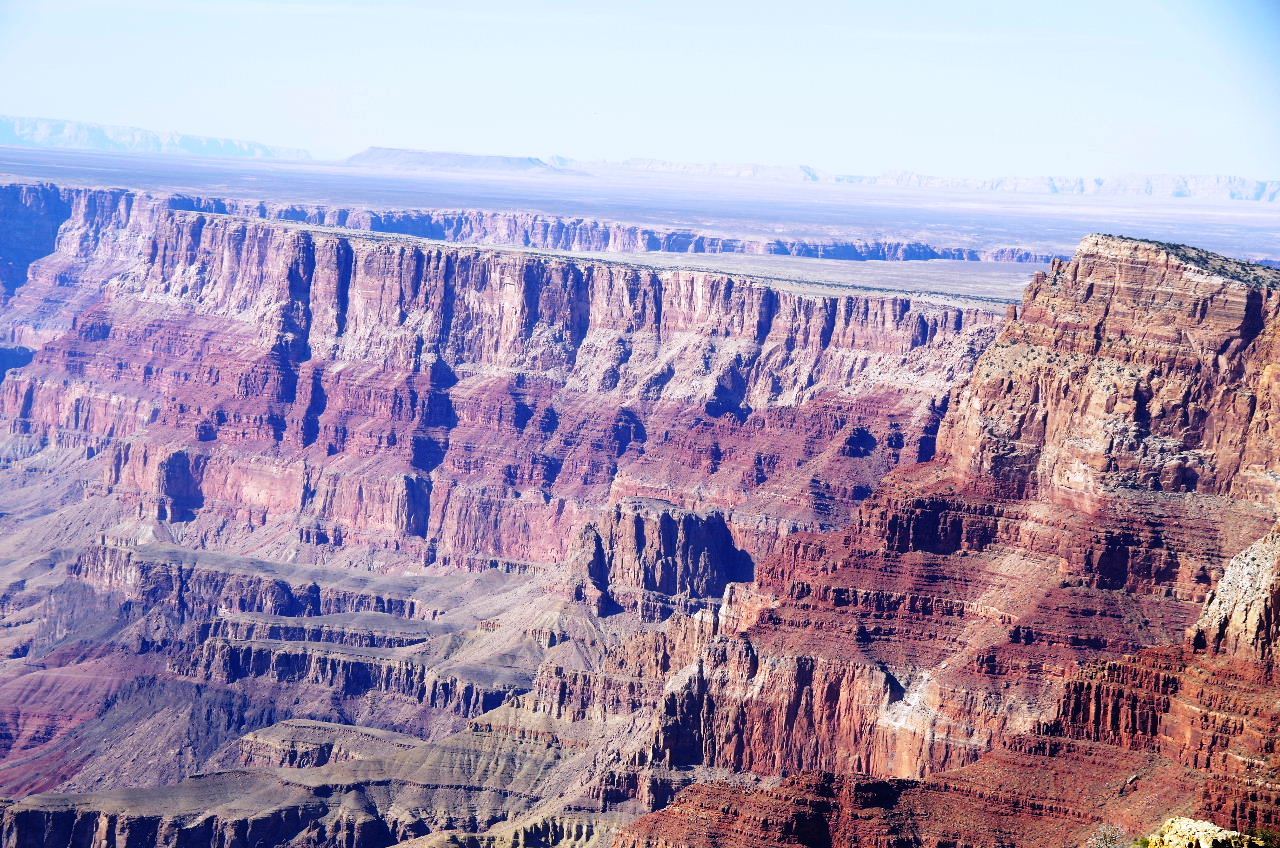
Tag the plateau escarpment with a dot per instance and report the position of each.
(1022, 623)
(392, 539)
(552, 232)
(249, 466)
(347, 388)
(544, 231)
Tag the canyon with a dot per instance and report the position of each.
(326, 525)
(784, 223)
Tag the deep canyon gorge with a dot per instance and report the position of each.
(345, 528)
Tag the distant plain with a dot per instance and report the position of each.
(734, 207)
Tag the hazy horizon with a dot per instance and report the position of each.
(549, 158)
(1098, 90)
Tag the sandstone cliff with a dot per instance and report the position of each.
(551, 232)
(394, 539)
(283, 377)
(1016, 622)
(223, 422)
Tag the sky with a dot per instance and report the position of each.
(967, 89)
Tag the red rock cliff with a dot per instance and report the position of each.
(226, 422)
(599, 540)
(1096, 478)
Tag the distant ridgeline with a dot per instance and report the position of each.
(1165, 186)
(77, 135)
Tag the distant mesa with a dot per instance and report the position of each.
(1156, 186)
(428, 160)
(104, 138)
(777, 173)
(56, 134)
(1200, 187)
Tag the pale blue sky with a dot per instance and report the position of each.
(952, 88)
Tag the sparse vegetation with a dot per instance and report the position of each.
(1251, 274)
(1108, 836)
(1268, 837)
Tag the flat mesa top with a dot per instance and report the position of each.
(1249, 274)
(742, 208)
(1001, 282)
(985, 283)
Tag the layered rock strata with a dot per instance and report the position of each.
(401, 541)
(546, 232)
(1071, 588)
(260, 471)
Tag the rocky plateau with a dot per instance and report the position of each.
(334, 528)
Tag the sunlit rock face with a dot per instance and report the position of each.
(259, 470)
(1065, 618)
(1181, 831)
(390, 393)
(322, 536)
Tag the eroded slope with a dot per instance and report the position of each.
(398, 540)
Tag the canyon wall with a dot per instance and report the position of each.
(394, 540)
(1064, 619)
(531, 229)
(235, 376)
(221, 422)
(517, 228)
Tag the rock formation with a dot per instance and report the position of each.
(525, 229)
(319, 535)
(1026, 605)
(1182, 832)
(551, 232)
(256, 428)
